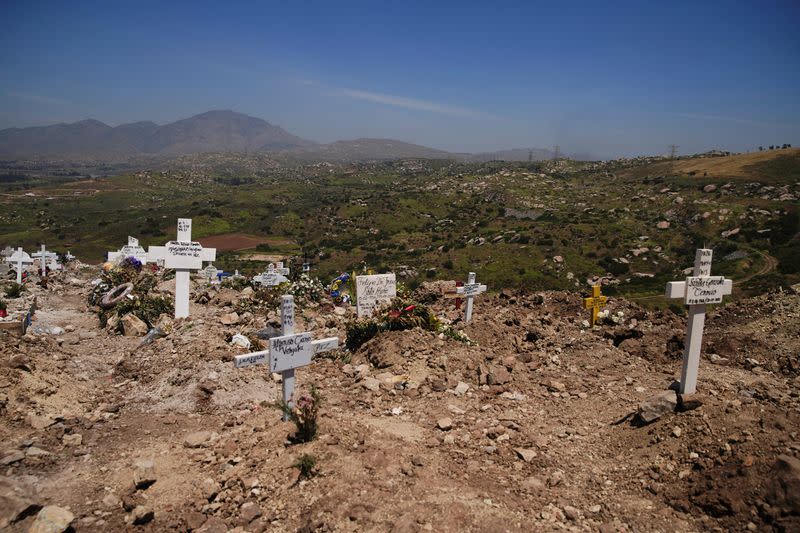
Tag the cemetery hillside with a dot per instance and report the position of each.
(301, 337)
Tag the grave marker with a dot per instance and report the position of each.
(373, 291)
(183, 255)
(210, 273)
(698, 290)
(272, 277)
(280, 269)
(469, 290)
(595, 302)
(132, 249)
(43, 256)
(289, 351)
(19, 259)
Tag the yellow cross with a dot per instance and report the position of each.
(595, 303)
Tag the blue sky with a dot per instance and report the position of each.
(609, 78)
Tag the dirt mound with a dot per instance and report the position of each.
(523, 428)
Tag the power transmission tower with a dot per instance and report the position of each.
(557, 152)
(530, 156)
(673, 150)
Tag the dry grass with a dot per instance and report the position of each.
(739, 166)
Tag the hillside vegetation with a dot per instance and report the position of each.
(550, 225)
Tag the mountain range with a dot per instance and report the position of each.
(213, 131)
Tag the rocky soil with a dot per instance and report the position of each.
(533, 427)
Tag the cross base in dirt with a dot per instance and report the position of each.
(697, 291)
(289, 351)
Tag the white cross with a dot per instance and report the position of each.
(69, 256)
(698, 290)
(184, 255)
(43, 256)
(132, 249)
(289, 351)
(272, 277)
(470, 290)
(20, 258)
(280, 269)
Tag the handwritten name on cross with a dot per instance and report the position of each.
(19, 259)
(698, 290)
(184, 255)
(289, 351)
(595, 302)
(273, 276)
(132, 249)
(470, 289)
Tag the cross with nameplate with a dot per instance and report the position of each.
(19, 258)
(595, 302)
(132, 249)
(289, 351)
(184, 255)
(698, 290)
(470, 289)
(273, 276)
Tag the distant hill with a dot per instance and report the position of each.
(523, 154)
(367, 150)
(214, 131)
(217, 132)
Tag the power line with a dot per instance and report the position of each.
(673, 150)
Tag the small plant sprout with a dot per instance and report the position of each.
(307, 464)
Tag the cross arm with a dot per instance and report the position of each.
(262, 357)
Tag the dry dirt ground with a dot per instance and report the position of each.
(526, 430)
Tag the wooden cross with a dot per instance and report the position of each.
(470, 289)
(20, 258)
(698, 290)
(595, 302)
(184, 255)
(289, 351)
(132, 249)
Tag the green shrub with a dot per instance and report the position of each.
(14, 290)
(399, 314)
(307, 464)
